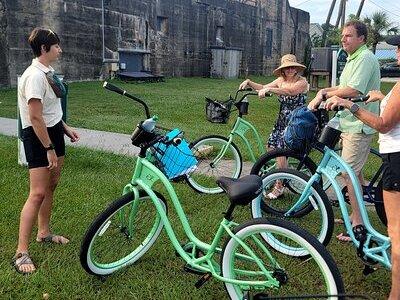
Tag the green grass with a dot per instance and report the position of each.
(89, 181)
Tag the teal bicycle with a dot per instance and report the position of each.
(305, 196)
(249, 259)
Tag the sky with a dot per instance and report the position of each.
(319, 9)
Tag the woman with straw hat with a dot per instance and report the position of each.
(291, 89)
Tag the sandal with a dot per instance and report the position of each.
(53, 238)
(344, 237)
(275, 194)
(21, 259)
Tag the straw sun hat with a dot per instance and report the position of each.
(288, 60)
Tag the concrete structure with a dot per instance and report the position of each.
(177, 33)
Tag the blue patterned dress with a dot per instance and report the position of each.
(288, 104)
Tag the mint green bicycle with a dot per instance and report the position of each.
(219, 155)
(250, 259)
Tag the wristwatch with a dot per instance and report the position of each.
(354, 108)
(50, 147)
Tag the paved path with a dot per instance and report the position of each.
(93, 139)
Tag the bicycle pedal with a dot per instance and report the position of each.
(203, 279)
(368, 270)
(188, 268)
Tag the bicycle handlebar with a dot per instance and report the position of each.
(361, 98)
(122, 92)
(251, 93)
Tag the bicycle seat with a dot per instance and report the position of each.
(243, 190)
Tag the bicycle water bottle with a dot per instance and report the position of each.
(149, 124)
(330, 134)
(244, 107)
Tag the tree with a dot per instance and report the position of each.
(332, 35)
(378, 25)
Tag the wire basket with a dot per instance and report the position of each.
(218, 112)
(173, 159)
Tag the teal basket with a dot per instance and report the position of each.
(174, 159)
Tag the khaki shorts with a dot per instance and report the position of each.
(356, 149)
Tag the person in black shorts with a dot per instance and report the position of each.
(388, 126)
(43, 137)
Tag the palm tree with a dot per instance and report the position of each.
(378, 24)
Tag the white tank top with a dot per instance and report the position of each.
(389, 142)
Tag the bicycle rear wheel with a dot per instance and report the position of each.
(121, 234)
(317, 275)
(315, 216)
(216, 157)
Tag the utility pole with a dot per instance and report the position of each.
(327, 22)
(343, 13)
(339, 13)
(360, 9)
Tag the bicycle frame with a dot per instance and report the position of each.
(144, 177)
(377, 245)
(240, 129)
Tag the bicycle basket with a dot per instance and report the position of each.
(174, 159)
(218, 112)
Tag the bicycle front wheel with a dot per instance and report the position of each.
(121, 234)
(267, 162)
(317, 275)
(216, 157)
(315, 215)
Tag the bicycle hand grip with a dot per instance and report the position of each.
(360, 98)
(248, 89)
(113, 88)
(338, 108)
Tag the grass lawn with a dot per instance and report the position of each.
(90, 180)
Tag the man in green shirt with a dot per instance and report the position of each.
(360, 75)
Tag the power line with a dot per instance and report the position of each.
(390, 12)
(397, 8)
(301, 3)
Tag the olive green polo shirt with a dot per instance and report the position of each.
(361, 73)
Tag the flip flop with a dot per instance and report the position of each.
(344, 237)
(20, 259)
(338, 221)
(53, 238)
(275, 194)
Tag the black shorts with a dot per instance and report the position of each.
(35, 153)
(391, 171)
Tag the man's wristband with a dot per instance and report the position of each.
(50, 147)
